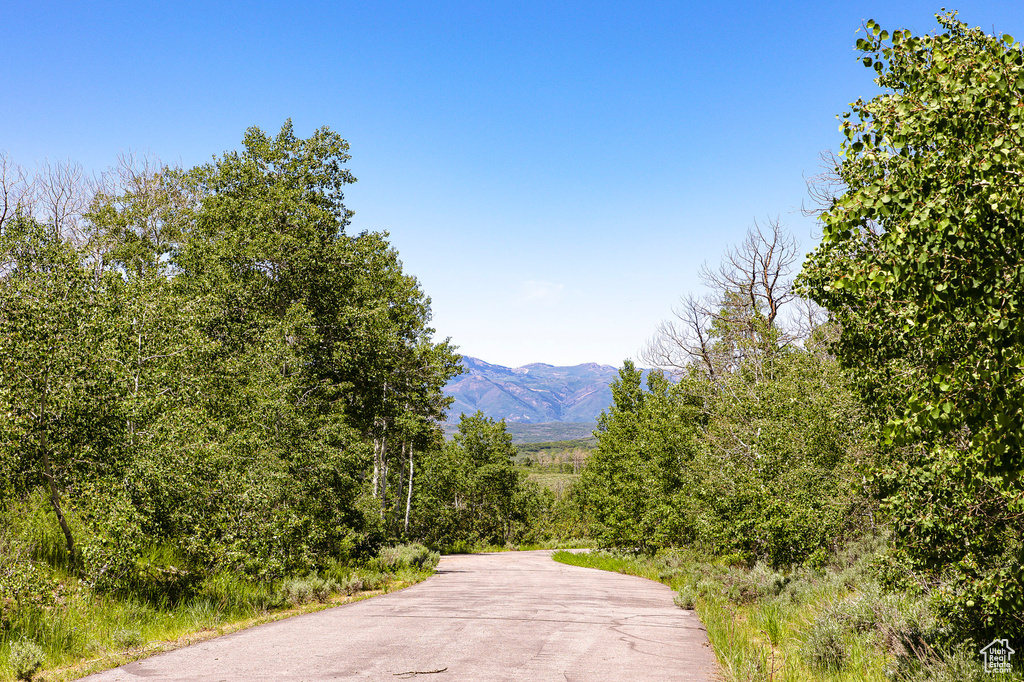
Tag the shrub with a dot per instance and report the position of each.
(24, 582)
(412, 555)
(957, 665)
(745, 587)
(162, 572)
(311, 588)
(375, 580)
(126, 638)
(825, 646)
(352, 584)
(686, 598)
(26, 658)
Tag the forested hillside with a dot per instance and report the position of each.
(532, 394)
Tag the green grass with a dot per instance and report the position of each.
(555, 482)
(550, 432)
(617, 563)
(806, 625)
(554, 448)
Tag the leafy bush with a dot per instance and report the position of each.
(413, 555)
(311, 588)
(759, 469)
(375, 580)
(757, 583)
(25, 581)
(27, 658)
(825, 646)
(909, 269)
(686, 597)
(352, 584)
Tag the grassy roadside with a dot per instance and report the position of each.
(83, 632)
(833, 623)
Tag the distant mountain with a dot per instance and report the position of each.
(532, 394)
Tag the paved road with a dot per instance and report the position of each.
(507, 616)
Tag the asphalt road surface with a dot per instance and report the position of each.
(505, 616)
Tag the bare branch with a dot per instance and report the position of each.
(62, 197)
(744, 316)
(16, 190)
(825, 187)
(679, 343)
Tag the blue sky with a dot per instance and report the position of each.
(553, 174)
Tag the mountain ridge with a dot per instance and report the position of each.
(536, 393)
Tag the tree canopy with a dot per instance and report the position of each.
(207, 360)
(920, 265)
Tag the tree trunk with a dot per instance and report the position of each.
(383, 475)
(399, 488)
(376, 465)
(44, 454)
(408, 499)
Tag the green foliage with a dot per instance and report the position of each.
(212, 402)
(197, 377)
(413, 555)
(26, 659)
(825, 646)
(126, 638)
(632, 482)
(766, 468)
(919, 264)
(77, 622)
(312, 588)
(756, 449)
(473, 492)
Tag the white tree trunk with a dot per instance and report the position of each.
(408, 499)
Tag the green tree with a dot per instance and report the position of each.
(756, 446)
(197, 364)
(48, 354)
(763, 467)
(323, 339)
(472, 490)
(100, 359)
(629, 485)
(777, 471)
(920, 265)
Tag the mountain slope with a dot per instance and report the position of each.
(532, 394)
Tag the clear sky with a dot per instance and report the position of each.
(553, 173)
